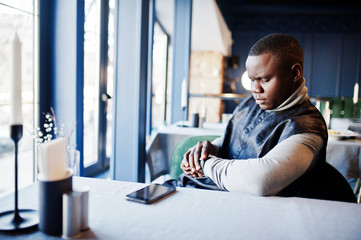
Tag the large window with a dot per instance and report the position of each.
(16, 16)
(159, 76)
(161, 79)
(98, 87)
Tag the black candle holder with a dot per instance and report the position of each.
(11, 220)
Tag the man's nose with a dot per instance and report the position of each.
(256, 87)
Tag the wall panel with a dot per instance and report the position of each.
(350, 64)
(325, 70)
(331, 61)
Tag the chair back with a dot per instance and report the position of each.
(335, 185)
(325, 182)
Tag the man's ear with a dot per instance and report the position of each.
(297, 72)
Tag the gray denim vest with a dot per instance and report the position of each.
(253, 132)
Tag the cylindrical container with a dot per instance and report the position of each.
(195, 119)
(51, 204)
(201, 122)
(71, 214)
(84, 209)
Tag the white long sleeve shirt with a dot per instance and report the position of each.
(268, 175)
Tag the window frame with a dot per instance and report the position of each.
(103, 161)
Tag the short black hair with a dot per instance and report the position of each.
(282, 46)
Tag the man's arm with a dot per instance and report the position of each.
(270, 174)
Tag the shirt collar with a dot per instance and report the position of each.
(297, 97)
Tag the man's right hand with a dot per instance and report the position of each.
(191, 159)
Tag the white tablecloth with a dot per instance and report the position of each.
(201, 214)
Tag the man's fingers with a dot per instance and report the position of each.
(191, 159)
(182, 166)
(197, 155)
(205, 151)
(186, 159)
(200, 174)
(185, 169)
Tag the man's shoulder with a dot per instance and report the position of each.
(309, 122)
(308, 111)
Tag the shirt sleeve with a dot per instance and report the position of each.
(268, 175)
(217, 143)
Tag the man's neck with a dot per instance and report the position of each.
(297, 97)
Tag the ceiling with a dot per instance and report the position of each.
(236, 12)
(213, 21)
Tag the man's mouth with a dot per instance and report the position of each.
(260, 101)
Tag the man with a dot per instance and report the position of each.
(275, 143)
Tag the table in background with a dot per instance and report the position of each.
(345, 156)
(161, 146)
(200, 214)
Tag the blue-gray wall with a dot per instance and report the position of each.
(330, 35)
(331, 61)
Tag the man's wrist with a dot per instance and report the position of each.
(203, 161)
(215, 149)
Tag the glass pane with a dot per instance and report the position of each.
(159, 76)
(16, 15)
(110, 79)
(164, 10)
(91, 81)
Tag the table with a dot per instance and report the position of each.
(161, 146)
(345, 156)
(201, 214)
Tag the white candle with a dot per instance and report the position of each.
(184, 93)
(327, 113)
(16, 112)
(52, 160)
(355, 93)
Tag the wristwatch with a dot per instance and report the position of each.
(203, 161)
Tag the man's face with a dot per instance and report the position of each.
(272, 83)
